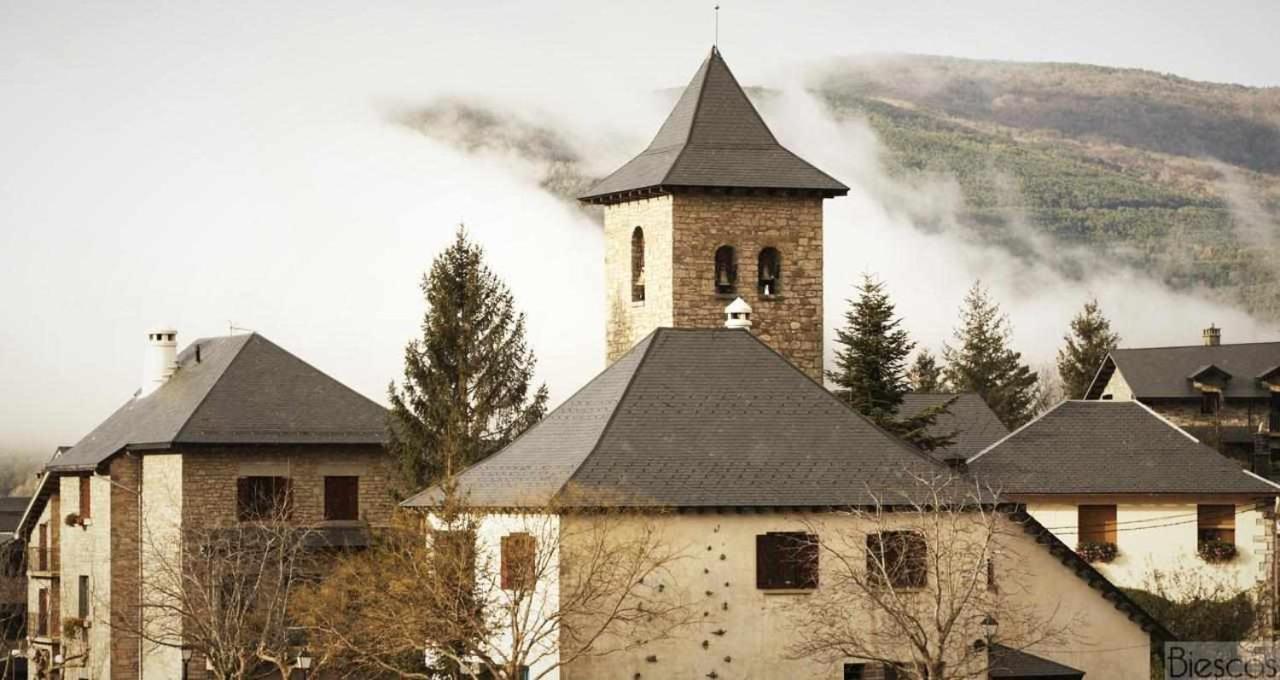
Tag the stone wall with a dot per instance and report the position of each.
(628, 321)
(1229, 431)
(682, 233)
(209, 480)
(126, 566)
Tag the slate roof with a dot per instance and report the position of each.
(1165, 372)
(698, 418)
(974, 423)
(11, 509)
(244, 389)
(714, 137)
(1006, 662)
(1102, 447)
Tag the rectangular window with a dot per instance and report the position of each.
(519, 561)
(1210, 402)
(454, 554)
(42, 548)
(1274, 416)
(1097, 523)
(86, 506)
(342, 498)
(899, 559)
(42, 612)
(84, 598)
(786, 560)
(263, 498)
(855, 671)
(1216, 523)
(992, 586)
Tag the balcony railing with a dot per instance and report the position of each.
(42, 559)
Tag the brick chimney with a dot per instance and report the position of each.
(1212, 336)
(160, 360)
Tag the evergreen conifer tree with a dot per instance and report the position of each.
(925, 375)
(1087, 345)
(871, 362)
(466, 388)
(871, 368)
(984, 361)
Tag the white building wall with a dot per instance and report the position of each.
(161, 512)
(86, 551)
(1117, 388)
(718, 571)
(1155, 536)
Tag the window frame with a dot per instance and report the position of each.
(911, 569)
(86, 497)
(82, 606)
(725, 260)
(341, 505)
(776, 570)
(1215, 522)
(1103, 531)
(518, 554)
(774, 258)
(248, 498)
(1210, 402)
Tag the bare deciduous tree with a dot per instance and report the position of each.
(496, 593)
(224, 591)
(914, 581)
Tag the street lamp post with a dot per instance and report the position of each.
(989, 628)
(304, 663)
(186, 659)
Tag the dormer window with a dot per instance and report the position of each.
(726, 271)
(770, 272)
(1210, 402)
(637, 265)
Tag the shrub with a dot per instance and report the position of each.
(1216, 551)
(1097, 552)
(71, 627)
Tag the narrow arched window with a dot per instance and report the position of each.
(637, 265)
(770, 272)
(726, 270)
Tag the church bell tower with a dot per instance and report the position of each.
(713, 210)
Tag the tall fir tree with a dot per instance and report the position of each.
(984, 361)
(466, 389)
(1087, 345)
(871, 368)
(925, 374)
(871, 362)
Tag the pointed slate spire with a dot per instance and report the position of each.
(714, 137)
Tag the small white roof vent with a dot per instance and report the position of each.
(737, 314)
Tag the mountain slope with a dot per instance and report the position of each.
(1175, 177)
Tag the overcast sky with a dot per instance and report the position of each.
(200, 163)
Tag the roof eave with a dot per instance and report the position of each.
(638, 193)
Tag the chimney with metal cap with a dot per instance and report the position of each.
(160, 360)
(737, 314)
(1212, 336)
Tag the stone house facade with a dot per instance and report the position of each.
(1227, 396)
(105, 530)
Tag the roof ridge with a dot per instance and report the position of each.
(830, 395)
(1009, 436)
(1199, 346)
(186, 420)
(652, 337)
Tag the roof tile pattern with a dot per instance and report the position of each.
(1098, 447)
(707, 417)
(244, 389)
(714, 137)
(1165, 372)
(975, 424)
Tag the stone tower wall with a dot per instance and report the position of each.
(682, 233)
(628, 321)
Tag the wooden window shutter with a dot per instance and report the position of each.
(342, 498)
(1097, 523)
(519, 555)
(765, 567)
(86, 505)
(1216, 523)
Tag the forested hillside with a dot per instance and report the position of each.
(1176, 177)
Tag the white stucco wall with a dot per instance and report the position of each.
(1160, 536)
(1117, 388)
(86, 550)
(718, 573)
(161, 554)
